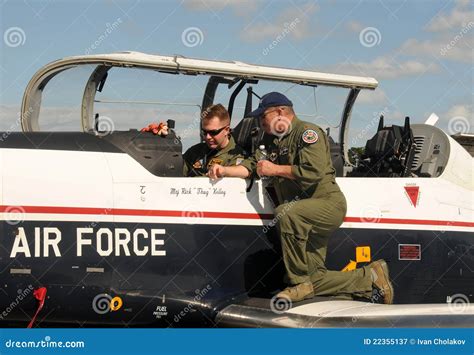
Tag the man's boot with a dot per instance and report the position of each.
(298, 292)
(381, 280)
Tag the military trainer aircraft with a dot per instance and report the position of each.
(99, 227)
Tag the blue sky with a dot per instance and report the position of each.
(420, 51)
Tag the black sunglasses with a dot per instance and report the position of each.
(212, 132)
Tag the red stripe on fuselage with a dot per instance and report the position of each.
(131, 212)
(207, 214)
(408, 221)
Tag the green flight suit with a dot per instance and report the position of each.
(311, 207)
(200, 157)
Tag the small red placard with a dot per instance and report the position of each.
(409, 252)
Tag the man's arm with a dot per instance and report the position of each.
(267, 168)
(217, 171)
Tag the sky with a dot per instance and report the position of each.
(421, 53)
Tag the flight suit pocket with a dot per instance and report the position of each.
(283, 156)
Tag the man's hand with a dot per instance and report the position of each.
(157, 129)
(266, 168)
(216, 171)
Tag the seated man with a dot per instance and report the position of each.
(218, 155)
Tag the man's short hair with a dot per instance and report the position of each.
(218, 111)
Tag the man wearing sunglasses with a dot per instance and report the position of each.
(218, 155)
(311, 207)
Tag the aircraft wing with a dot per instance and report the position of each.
(258, 312)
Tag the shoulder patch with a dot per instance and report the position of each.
(310, 136)
(198, 164)
(214, 161)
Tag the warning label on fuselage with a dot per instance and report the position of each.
(409, 252)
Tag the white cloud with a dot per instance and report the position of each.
(385, 68)
(463, 3)
(355, 26)
(10, 118)
(293, 22)
(455, 48)
(397, 116)
(240, 7)
(458, 119)
(454, 35)
(53, 118)
(460, 110)
(376, 96)
(459, 17)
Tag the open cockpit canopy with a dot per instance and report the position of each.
(233, 75)
(394, 151)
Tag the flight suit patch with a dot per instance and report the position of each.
(273, 156)
(284, 151)
(214, 161)
(198, 164)
(310, 136)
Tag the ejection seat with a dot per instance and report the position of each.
(389, 153)
(248, 134)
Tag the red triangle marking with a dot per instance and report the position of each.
(412, 192)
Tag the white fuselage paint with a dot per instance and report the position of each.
(113, 187)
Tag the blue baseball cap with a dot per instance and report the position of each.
(272, 99)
